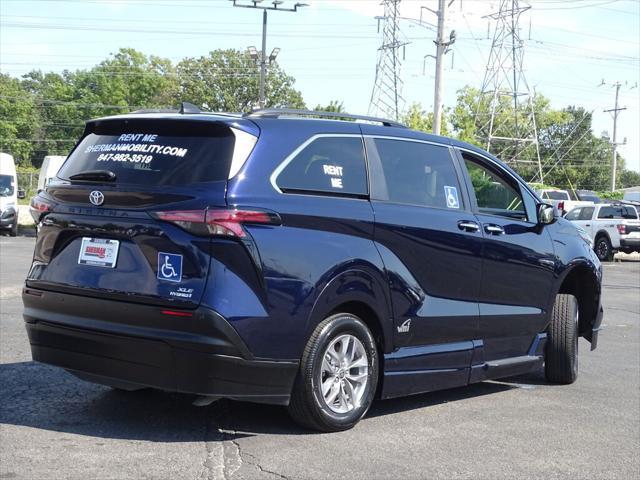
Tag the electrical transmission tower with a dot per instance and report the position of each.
(505, 112)
(386, 98)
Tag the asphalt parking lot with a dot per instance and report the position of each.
(55, 426)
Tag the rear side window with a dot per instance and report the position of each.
(621, 212)
(419, 174)
(334, 165)
(555, 195)
(155, 153)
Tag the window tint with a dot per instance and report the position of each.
(586, 213)
(574, 214)
(621, 212)
(419, 174)
(555, 195)
(6, 185)
(155, 152)
(328, 164)
(494, 195)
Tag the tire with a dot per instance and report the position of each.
(340, 334)
(14, 229)
(602, 247)
(561, 362)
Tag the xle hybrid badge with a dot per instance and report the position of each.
(96, 197)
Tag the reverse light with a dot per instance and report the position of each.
(217, 222)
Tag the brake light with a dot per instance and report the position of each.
(38, 206)
(622, 229)
(176, 313)
(561, 206)
(217, 222)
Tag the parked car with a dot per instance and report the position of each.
(48, 170)
(613, 227)
(312, 262)
(587, 196)
(561, 200)
(9, 195)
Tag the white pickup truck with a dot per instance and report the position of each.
(613, 227)
(561, 200)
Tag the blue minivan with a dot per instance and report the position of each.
(306, 259)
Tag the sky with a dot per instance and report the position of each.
(331, 46)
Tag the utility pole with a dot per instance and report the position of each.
(442, 48)
(263, 59)
(614, 140)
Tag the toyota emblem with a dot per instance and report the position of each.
(96, 197)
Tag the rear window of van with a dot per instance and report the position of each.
(155, 152)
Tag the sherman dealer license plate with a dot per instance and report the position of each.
(100, 252)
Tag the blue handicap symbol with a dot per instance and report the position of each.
(169, 267)
(451, 194)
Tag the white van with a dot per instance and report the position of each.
(49, 169)
(9, 195)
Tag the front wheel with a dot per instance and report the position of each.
(14, 229)
(338, 375)
(561, 362)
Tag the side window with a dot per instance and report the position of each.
(495, 195)
(606, 212)
(574, 214)
(419, 174)
(586, 213)
(328, 165)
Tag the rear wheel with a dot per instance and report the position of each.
(561, 362)
(338, 375)
(603, 249)
(14, 229)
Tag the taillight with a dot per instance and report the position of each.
(622, 229)
(218, 222)
(561, 206)
(38, 206)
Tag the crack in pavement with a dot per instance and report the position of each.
(224, 456)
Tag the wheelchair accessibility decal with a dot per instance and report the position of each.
(451, 193)
(169, 267)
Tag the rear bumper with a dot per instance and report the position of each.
(630, 244)
(113, 343)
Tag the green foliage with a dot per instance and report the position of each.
(608, 195)
(571, 155)
(229, 81)
(19, 120)
(334, 106)
(419, 119)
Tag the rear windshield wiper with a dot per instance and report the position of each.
(95, 176)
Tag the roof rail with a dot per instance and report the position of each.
(291, 112)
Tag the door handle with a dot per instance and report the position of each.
(588, 225)
(494, 229)
(468, 226)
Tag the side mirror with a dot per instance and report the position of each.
(546, 214)
(22, 194)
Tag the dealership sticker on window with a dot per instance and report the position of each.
(336, 175)
(451, 194)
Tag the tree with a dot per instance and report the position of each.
(19, 119)
(228, 81)
(418, 119)
(335, 106)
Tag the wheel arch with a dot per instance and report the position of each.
(582, 281)
(360, 293)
